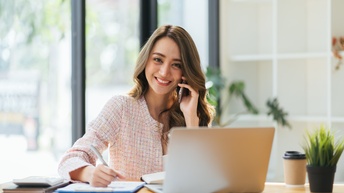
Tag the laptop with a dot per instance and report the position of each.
(216, 160)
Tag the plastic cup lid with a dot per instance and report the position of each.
(294, 155)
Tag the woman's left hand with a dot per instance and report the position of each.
(188, 105)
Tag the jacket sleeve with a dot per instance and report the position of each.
(99, 133)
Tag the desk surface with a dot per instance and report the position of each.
(281, 188)
(270, 187)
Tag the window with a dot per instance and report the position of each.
(193, 18)
(35, 91)
(35, 71)
(112, 46)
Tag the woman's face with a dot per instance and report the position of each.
(163, 69)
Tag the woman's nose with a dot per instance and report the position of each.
(164, 69)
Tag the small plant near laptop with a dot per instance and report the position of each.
(322, 155)
(321, 149)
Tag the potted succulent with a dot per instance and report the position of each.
(322, 154)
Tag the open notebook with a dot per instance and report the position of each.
(217, 160)
(113, 187)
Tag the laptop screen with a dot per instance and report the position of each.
(218, 159)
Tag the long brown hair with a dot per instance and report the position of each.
(191, 69)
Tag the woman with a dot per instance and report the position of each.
(135, 128)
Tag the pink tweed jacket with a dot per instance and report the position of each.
(132, 136)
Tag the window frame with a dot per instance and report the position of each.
(148, 23)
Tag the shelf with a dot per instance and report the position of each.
(241, 58)
(249, 117)
(308, 118)
(337, 119)
(264, 57)
(302, 56)
(300, 118)
(251, 1)
(282, 48)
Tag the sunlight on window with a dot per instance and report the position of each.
(35, 92)
(193, 18)
(112, 39)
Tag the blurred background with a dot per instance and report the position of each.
(36, 63)
(290, 50)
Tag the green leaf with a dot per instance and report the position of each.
(321, 149)
(277, 113)
(237, 89)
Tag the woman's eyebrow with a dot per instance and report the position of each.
(162, 55)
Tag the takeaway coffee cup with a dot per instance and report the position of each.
(294, 169)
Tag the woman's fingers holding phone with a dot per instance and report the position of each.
(188, 98)
(181, 92)
(188, 105)
(192, 93)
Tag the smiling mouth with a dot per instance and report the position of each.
(165, 82)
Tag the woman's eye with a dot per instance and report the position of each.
(157, 60)
(177, 65)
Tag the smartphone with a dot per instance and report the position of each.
(181, 92)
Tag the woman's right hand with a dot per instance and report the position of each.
(99, 176)
(102, 176)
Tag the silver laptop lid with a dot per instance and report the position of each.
(218, 159)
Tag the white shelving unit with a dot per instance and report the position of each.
(283, 49)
